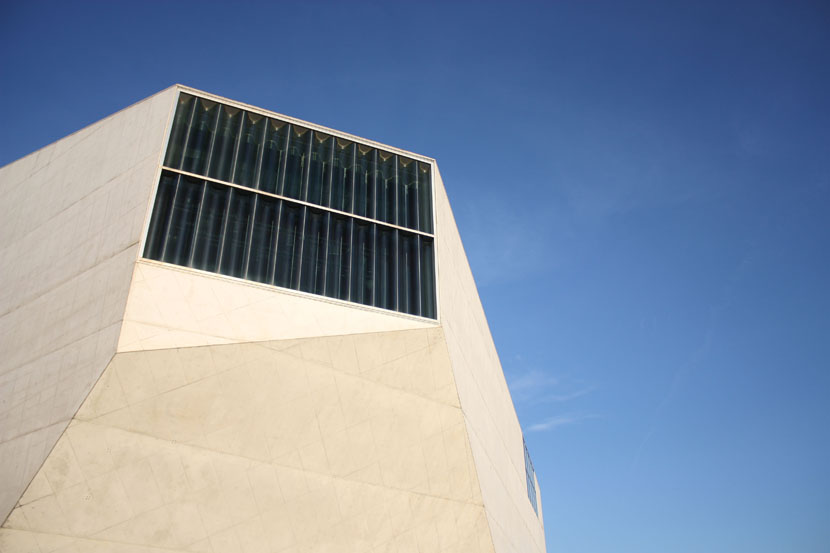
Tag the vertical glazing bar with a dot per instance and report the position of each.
(247, 259)
(212, 140)
(283, 169)
(352, 264)
(182, 122)
(162, 206)
(170, 218)
(307, 167)
(329, 177)
(415, 218)
(396, 182)
(375, 240)
(272, 270)
(242, 116)
(418, 274)
(425, 203)
(397, 262)
(350, 207)
(371, 210)
(224, 230)
(260, 154)
(300, 254)
(198, 223)
(325, 254)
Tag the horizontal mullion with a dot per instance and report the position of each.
(295, 201)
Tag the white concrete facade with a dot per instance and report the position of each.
(264, 419)
(70, 225)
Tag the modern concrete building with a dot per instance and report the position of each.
(223, 329)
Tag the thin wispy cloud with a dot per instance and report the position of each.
(531, 381)
(558, 421)
(535, 387)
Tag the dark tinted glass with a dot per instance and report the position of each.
(314, 252)
(273, 157)
(407, 193)
(178, 134)
(180, 232)
(364, 181)
(363, 253)
(299, 145)
(264, 240)
(342, 175)
(162, 208)
(224, 143)
(427, 277)
(240, 230)
(200, 137)
(338, 257)
(319, 173)
(289, 243)
(250, 146)
(424, 197)
(385, 293)
(408, 275)
(385, 188)
(210, 227)
(236, 235)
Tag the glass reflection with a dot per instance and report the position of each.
(299, 144)
(200, 136)
(250, 144)
(224, 143)
(385, 188)
(244, 233)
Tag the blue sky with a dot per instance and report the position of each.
(642, 189)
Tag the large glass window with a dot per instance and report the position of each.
(285, 205)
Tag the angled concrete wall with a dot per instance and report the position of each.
(492, 424)
(70, 222)
(179, 307)
(346, 443)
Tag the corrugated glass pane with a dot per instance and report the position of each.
(407, 193)
(427, 277)
(425, 197)
(200, 137)
(182, 228)
(363, 253)
(314, 252)
(385, 290)
(385, 187)
(319, 173)
(337, 265)
(299, 144)
(237, 229)
(157, 233)
(264, 240)
(273, 156)
(178, 134)
(364, 181)
(408, 292)
(224, 143)
(289, 244)
(211, 225)
(250, 146)
(342, 175)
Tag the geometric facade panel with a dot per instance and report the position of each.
(172, 307)
(71, 221)
(339, 443)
